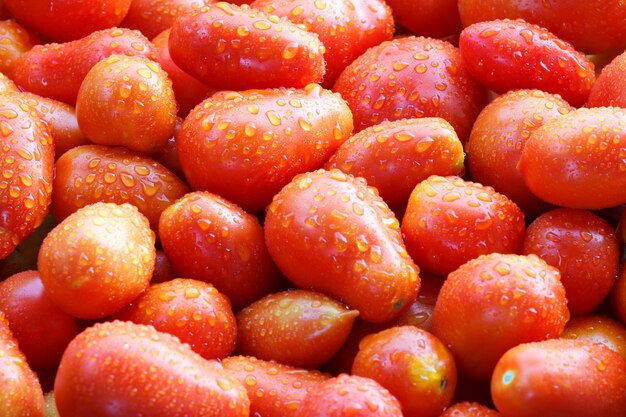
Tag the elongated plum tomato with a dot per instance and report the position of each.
(121, 368)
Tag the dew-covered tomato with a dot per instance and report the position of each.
(7, 84)
(245, 146)
(92, 173)
(103, 253)
(20, 391)
(583, 247)
(576, 21)
(349, 395)
(238, 48)
(56, 70)
(449, 221)
(347, 28)
(469, 409)
(435, 18)
(411, 77)
(394, 156)
(328, 231)
(211, 239)
(127, 101)
(120, 368)
(15, 39)
(495, 302)
(560, 377)
(599, 329)
(610, 88)
(299, 328)
(288, 384)
(512, 54)
(413, 365)
(192, 310)
(41, 328)
(26, 163)
(66, 20)
(498, 137)
(577, 160)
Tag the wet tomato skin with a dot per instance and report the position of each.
(609, 89)
(599, 329)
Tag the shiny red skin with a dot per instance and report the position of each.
(512, 54)
(237, 48)
(434, 18)
(411, 77)
(469, 409)
(610, 87)
(598, 328)
(15, 40)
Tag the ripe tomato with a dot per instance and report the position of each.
(434, 18)
(120, 368)
(599, 329)
(511, 54)
(469, 409)
(15, 40)
(561, 377)
(609, 89)
(330, 232)
(152, 17)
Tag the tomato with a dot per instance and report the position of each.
(238, 47)
(469, 409)
(92, 173)
(7, 84)
(127, 101)
(449, 221)
(598, 329)
(411, 77)
(194, 311)
(121, 368)
(346, 28)
(413, 365)
(152, 17)
(167, 155)
(495, 302)
(299, 328)
(66, 20)
(394, 156)
(211, 239)
(15, 40)
(274, 389)
(330, 232)
(103, 252)
(618, 296)
(349, 395)
(57, 70)
(575, 21)
(583, 247)
(42, 330)
(435, 18)
(577, 161)
(245, 146)
(163, 268)
(560, 377)
(498, 137)
(512, 54)
(188, 90)
(20, 392)
(609, 89)
(26, 163)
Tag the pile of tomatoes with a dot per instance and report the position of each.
(306, 208)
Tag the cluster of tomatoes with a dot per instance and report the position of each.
(307, 208)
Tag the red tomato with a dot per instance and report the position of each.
(495, 302)
(347, 28)
(66, 20)
(26, 163)
(194, 311)
(577, 160)
(15, 39)
(413, 365)
(349, 395)
(469, 409)
(7, 85)
(124, 369)
(299, 328)
(583, 247)
(511, 54)
(238, 47)
(330, 232)
(103, 253)
(394, 156)
(449, 221)
(576, 21)
(560, 377)
(618, 296)
(598, 329)
(245, 146)
(498, 137)
(210, 239)
(163, 268)
(20, 392)
(57, 70)
(42, 329)
(435, 18)
(275, 390)
(610, 89)
(411, 77)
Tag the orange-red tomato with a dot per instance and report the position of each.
(610, 89)
(15, 39)
(599, 329)
(469, 409)
(435, 18)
